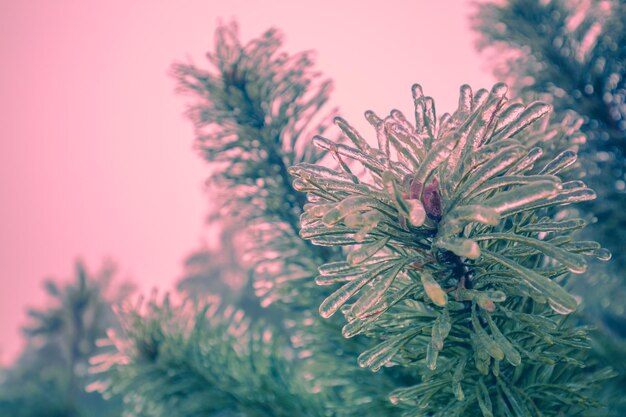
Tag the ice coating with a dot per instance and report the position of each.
(443, 229)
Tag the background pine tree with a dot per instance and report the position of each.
(52, 373)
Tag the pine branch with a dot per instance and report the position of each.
(463, 246)
(187, 362)
(254, 113)
(460, 258)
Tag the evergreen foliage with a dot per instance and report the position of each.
(446, 249)
(187, 362)
(50, 377)
(254, 112)
(573, 54)
(462, 244)
(443, 269)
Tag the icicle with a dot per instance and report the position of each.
(417, 213)
(518, 199)
(373, 119)
(333, 302)
(375, 294)
(418, 96)
(559, 163)
(466, 99)
(482, 360)
(405, 143)
(557, 226)
(383, 141)
(460, 246)
(456, 219)
(511, 180)
(440, 330)
(510, 353)
(396, 196)
(348, 206)
(527, 162)
(508, 115)
(500, 162)
(435, 157)
(532, 113)
(349, 152)
(382, 353)
(490, 346)
(485, 302)
(572, 261)
(457, 376)
(430, 118)
(399, 117)
(371, 219)
(333, 268)
(558, 298)
(431, 356)
(433, 290)
(485, 117)
(357, 325)
(352, 134)
(366, 251)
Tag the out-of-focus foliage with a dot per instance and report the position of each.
(462, 243)
(573, 50)
(573, 54)
(220, 271)
(181, 361)
(255, 112)
(200, 359)
(221, 274)
(50, 376)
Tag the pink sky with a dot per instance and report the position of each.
(96, 158)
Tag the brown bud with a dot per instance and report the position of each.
(432, 200)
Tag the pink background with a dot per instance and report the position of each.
(96, 158)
